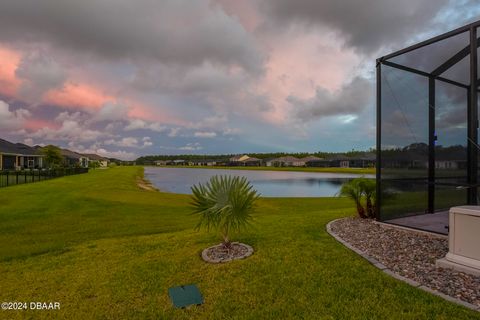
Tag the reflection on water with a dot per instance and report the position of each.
(268, 183)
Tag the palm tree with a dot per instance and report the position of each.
(368, 187)
(353, 189)
(224, 203)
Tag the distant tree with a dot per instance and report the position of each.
(53, 156)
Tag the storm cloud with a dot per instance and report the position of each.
(125, 78)
(172, 31)
(352, 99)
(367, 25)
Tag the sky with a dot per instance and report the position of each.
(125, 78)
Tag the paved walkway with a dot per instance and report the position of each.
(435, 222)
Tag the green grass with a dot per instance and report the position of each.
(300, 169)
(105, 249)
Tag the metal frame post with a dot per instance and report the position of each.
(431, 145)
(472, 111)
(379, 136)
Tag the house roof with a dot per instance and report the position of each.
(287, 159)
(17, 148)
(311, 158)
(70, 154)
(206, 160)
(319, 160)
(366, 156)
(240, 157)
(339, 157)
(252, 159)
(93, 156)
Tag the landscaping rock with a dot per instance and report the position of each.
(219, 254)
(409, 254)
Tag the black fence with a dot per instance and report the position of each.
(11, 178)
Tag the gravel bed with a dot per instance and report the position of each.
(410, 254)
(219, 254)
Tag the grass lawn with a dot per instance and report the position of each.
(301, 169)
(105, 249)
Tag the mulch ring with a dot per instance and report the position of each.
(219, 254)
(410, 254)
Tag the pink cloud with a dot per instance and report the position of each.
(83, 96)
(307, 62)
(77, 95)
(9, 60)
(37, 124)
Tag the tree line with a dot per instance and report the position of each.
(188, 157)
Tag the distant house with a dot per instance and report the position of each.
(239, 158)
(287, 161)
(366, 161)
(204, 162)
(312, 161)
(161, 162)
(243, 160)
(451, 164)
(319, 163)
(311, 158)
(74, 159)
(17, 156)
(103, 162)
(340, 161)
(268, 162)
(252, 162)
(179, 162)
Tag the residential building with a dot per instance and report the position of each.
(239, 158)
(340, 161)
(287, 161)
(18, 156)
(244, 160)
(179, 162)
(252, 162)
(311, 158)
(366, 161)
(319, 163)
(74, 159)
(92, 157)
(161, 162)
(205, 162)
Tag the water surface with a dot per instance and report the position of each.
(268, 183)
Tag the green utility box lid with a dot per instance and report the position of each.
(186, 295)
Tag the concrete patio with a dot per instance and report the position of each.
(435, 222)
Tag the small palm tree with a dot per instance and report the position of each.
(353, 190)
(224, 203)
(368, 187)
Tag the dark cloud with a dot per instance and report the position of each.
(173, 32)
(366, 25)
(39, 73)
(352, 99)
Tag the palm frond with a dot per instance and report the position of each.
(225, 203)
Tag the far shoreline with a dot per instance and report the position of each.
(359, 171)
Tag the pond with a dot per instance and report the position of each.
(267, 183)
